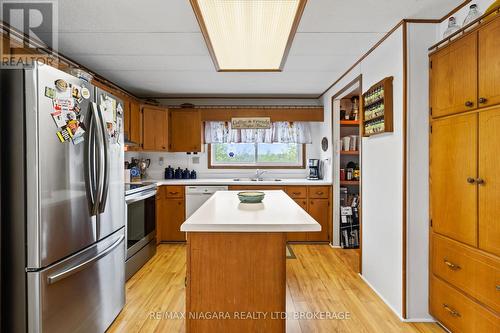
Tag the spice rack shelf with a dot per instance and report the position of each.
(377, 108)
(349, 182)
(349, 152)
(349, 122)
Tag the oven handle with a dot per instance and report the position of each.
(139, 196)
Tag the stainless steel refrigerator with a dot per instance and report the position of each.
(63, 235)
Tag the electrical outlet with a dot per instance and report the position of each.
(160, 161)
(196, 160)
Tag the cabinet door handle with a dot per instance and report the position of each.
(452, 266)
(452, 311)
(482, 100)
(480, 181)
(471, 180)
(469, 104)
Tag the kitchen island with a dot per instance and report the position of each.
(236, 272)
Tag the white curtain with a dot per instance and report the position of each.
(280, 132)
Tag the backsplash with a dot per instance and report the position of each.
(199, 162)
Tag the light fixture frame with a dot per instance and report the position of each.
(204, 31)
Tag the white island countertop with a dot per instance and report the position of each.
(223, 212)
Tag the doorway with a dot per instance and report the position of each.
(347, 168)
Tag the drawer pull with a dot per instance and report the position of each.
(498, 287)
(319, 193)
(452, 266)
(173, 193)
(452, 312)
(295, 193)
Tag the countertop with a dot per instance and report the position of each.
(244, 181)
(223, 212)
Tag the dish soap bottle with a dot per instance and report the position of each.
(473, 15)
(452, 27)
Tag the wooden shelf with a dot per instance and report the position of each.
(349, 123)
(383, 122)
(349, 152)
(349, 182)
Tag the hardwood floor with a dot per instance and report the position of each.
(321, 279)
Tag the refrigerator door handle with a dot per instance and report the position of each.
(81, 266)
(98, 148)
(105, 157)
(89, 165)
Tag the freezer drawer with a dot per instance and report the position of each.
(83, 293)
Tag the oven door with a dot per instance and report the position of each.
(141, 220)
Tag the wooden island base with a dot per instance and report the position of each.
(237, 278)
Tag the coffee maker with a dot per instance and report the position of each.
(315, 169)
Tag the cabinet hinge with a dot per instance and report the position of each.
(430, 222)
(430, 110)
(430, 64)
(430, 128)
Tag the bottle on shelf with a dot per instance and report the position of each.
(355, 108)
(452, 27)
(473, 14)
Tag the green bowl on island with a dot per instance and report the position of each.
(251, 196)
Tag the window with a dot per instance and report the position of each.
(251, 155)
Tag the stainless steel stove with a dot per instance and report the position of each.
(141, 225)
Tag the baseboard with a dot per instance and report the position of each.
(334, 246)
(419, 320)
(409, 320)
(382, 298)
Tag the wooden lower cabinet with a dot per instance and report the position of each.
(459, 313)
(319, 209)
(170, 214)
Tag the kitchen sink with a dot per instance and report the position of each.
(256, 180)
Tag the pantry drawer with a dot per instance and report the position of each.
(458, 312)
(318, 192)
(297, 192)
(174, 191)
(472, 271)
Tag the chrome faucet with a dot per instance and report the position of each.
(259, 173)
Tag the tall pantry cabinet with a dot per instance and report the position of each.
(465, 181)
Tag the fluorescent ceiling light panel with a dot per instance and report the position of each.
(248, 35)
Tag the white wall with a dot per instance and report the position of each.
(419, 37)
(184, 160)
(381, 172)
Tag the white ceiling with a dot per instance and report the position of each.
(155, 47)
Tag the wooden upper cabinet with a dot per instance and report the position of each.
(135, 127)
(489, 64)
(489, 172)
(126, 117)
(185, 128)
(155, 128)
(453, 170)
(453, 77)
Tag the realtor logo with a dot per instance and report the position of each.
(29, 32)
